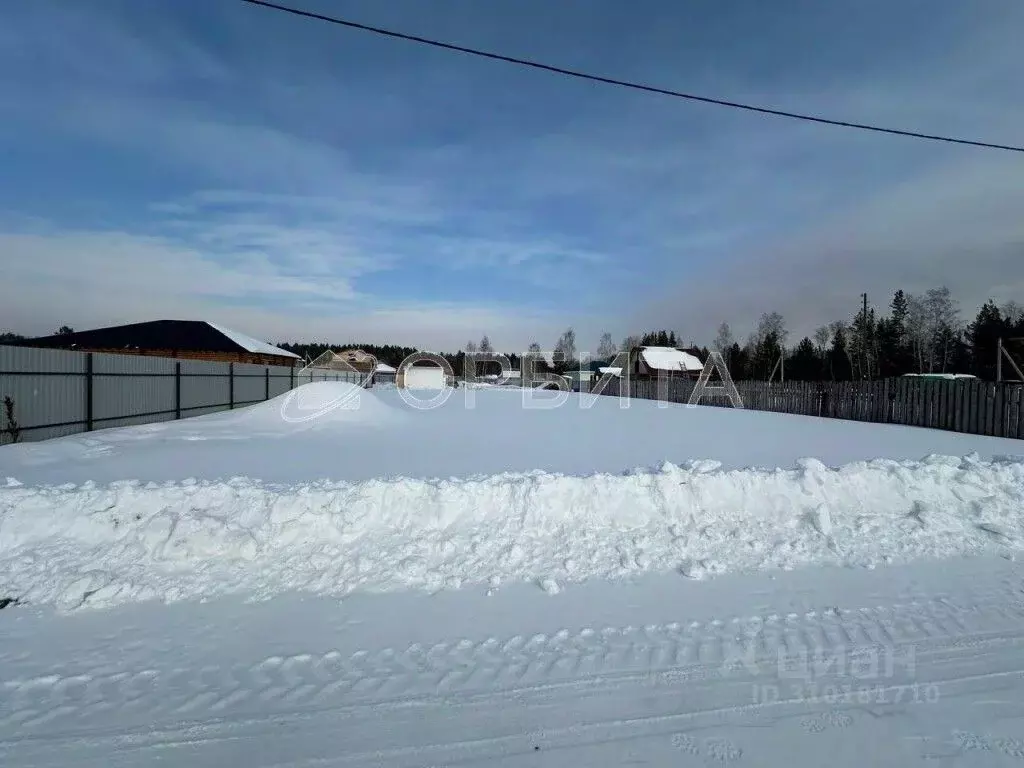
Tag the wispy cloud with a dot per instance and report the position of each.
(202, 159)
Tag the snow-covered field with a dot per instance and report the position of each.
(486, 583)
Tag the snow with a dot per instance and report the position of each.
(670, 359)
(385, 368)
(612, 371)
(128, 541)
(837, 667)
(177, 516)
(477, 431)
(250, 344)
(337, 577)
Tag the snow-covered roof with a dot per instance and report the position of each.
(670, 359)
(612, 371)
(385, 368)
(250, 344)
(949, 376)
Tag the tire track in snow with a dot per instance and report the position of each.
(661, 654)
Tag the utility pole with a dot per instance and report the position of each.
(866, 373)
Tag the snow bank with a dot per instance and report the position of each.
(103, 545)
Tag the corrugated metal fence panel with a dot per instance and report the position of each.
(325, 374)
(127, 387)
(250, 383)
(31, 359)
(280, 380)
(47, 387)
(205, 387)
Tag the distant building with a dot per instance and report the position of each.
(650, 362)
(384, 374)
(185, 339)
(346, 361)
(422, 374)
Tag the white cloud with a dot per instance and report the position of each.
(91, 279)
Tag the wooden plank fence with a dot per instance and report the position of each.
(958, 405)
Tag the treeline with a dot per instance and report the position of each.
(8, 337)
(916, 334)
(388, 353)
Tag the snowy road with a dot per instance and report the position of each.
(829, 666)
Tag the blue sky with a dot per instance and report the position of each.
(292, 179)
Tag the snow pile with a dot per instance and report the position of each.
(322, 405)
(127, 541)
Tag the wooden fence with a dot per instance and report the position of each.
(958, 405)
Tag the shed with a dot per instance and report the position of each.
(185, 339)
(384, 374)
(422, 374)
(649, 362)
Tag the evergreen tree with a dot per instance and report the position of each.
(737, 360)
(838, 356)
(982, 339)
(804, 364)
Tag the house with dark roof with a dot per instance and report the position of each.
(184, 339)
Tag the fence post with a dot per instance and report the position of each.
(177, 390)
(266, 383)
(231, 386)
(88, 392)
(291, 378)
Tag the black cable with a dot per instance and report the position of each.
(625, 83)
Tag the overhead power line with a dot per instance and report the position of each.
(625, 83)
